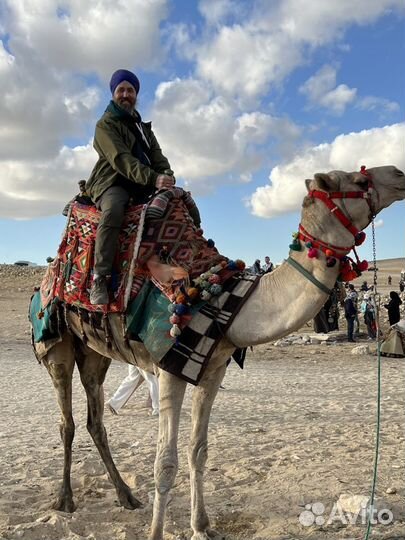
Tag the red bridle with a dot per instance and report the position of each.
(327, 199)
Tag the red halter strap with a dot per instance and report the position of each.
(326, 198)
(305, 236)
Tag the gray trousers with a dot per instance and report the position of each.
(112, 204)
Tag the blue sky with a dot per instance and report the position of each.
(247, 100)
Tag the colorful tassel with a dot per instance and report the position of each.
(175, 331)
(296, 245)
(205, 295)
(180, 309)
(215, 289)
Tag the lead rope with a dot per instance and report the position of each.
(378, 421)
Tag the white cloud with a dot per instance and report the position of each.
(215, 11)
(242, 61)
(372, 103)
(95, 37)
(321, 90)
(374, 147)
(205, 136)
(35, 188)
(51, 51)
(249, 58)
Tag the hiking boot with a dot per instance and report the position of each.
(99, 292)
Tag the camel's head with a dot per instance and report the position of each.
(384, 185)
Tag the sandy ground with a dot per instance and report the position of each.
(295, 427)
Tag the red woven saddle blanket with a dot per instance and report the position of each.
(159, 241)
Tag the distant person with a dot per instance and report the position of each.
(256, 268)
(350, 315)
(355, 297)
(82, 198)
(368, 310)
(364, 286)
(393, 308)
(128, 387)
(268, 265)
(320, 321)
(389, 280)
(327, 319)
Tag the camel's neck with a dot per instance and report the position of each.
(283, 301)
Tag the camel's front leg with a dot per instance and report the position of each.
(93, 368)
(203, 398)
(171, 394)
(60, 364)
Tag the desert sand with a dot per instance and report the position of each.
(294, 428)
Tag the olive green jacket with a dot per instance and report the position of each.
(117, 147)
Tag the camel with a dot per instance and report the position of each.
(283, 302)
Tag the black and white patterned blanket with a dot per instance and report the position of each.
(190, 355)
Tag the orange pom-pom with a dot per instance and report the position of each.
(192, 292)
(240, 264)
(181, 298)
(329, 252)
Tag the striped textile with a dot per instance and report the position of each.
(193, 349)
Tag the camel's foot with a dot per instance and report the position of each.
(127, 500)
(64, 503)
(208, 534)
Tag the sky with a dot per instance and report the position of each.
(247, 99)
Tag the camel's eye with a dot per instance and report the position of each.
(363, 185)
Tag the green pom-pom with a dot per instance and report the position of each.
(295, 246)
(308, 244)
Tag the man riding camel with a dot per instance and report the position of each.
(130, 165)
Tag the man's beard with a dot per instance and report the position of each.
(128, 106)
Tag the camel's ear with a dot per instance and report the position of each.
(321, 181)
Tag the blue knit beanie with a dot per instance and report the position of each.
(124, 75)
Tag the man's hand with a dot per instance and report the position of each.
(164, 181)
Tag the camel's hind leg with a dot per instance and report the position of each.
(171, 395)
(203, 398)
(93, 368)
(60, 362)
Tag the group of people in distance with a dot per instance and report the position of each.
(368, 309)
(267, 267)
(346, 295)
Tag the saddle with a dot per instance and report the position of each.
(159, 241)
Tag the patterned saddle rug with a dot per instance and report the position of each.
(159, 241)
